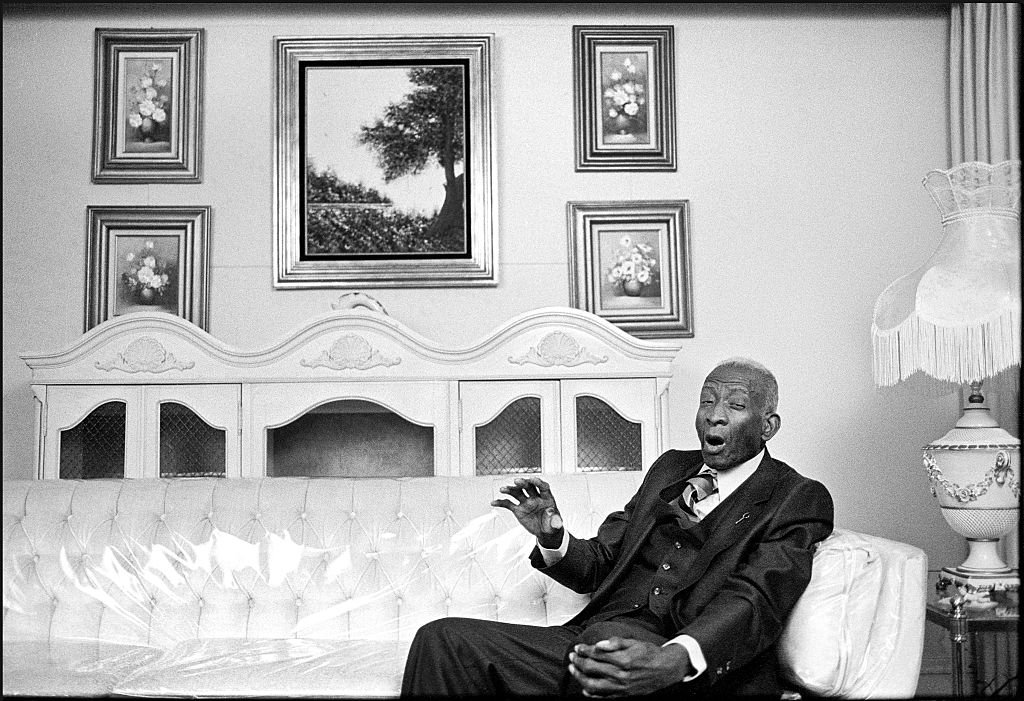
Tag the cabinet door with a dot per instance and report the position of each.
(609, 425)
(509, 427)
(192, 430)
(92, 432)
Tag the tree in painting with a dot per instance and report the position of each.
(426, 125)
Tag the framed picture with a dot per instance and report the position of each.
(630, 264)
(147, 259)
(384, 162)
(624, 89)
(149, 94)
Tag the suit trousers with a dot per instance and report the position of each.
(470, 657)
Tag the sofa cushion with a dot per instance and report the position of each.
(272, 668)
(79, 668)
(858, 613)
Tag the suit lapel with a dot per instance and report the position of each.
(735, 516)
(647, 509)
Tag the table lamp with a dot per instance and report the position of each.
(957, 319)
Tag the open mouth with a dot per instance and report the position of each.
(714, 443)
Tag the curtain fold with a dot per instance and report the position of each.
(984, 54)
(984, 121)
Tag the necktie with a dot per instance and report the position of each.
(700, 486)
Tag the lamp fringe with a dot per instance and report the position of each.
(960, 354)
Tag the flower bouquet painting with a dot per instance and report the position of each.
(632, 273)
(624, 78)
(148, 91)
(147, 273)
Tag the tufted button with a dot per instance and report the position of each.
(720, 671)
(678, 545)
(666, 566)
(36, 557)
(326, 558)
(257, 515)
(298, 601)
(303, 515)
(200, 602)
(351, 514)
(448, 601)
(163, 517)
(210, 516)
(636, 606)
(53, 603)
(657, 591)
(252, 602)
(400, 515)
(448, 512)
(399, 601)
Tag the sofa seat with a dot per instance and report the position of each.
(315, 587)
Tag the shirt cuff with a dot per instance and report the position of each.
(553, 555)
(697, 660)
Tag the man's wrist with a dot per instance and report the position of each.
(551, 541)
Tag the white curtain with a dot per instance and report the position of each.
(984, 68)
(984, 120)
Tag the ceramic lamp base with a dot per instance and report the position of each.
(980, 582)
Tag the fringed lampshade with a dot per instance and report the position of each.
(957, 319)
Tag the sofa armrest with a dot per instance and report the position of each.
(858, 629)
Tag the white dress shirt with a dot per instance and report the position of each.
(728, 482)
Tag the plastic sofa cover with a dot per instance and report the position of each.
(291, 586)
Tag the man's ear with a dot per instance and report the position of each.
(770, 426)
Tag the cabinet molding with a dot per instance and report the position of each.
(348, 354)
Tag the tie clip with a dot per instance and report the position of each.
(744, 517)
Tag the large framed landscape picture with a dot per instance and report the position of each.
(384, 162)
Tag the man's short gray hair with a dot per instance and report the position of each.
(771, 386)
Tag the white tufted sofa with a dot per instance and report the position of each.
(290, 586)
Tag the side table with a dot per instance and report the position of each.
(971, 629)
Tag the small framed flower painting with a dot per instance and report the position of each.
(384, 162)
(629, 263)
(148, 105)
(147, 259)
(624, 89)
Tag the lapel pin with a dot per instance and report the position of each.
(744, 517)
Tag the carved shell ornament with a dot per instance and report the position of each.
(144, 355)
(558, 348)
(350, 352)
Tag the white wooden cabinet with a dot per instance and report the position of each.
(352, 392)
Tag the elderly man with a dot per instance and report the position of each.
(691, 582)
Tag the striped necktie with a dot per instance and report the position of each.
(700, 486)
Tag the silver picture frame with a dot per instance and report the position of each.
(148, 258)
(370, 190)
(148, 108)
(624, 98)
(629, 263)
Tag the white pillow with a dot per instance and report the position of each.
(825, 644)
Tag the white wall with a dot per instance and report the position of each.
(803, 137)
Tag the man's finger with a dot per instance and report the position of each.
(504, 504)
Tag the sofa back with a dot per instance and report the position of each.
(159, 562)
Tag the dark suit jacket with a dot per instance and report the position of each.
(748, 574)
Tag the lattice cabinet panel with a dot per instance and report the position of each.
(189, 447)
(605, 441)
(511, 442)
(509, 427)
(94, 448)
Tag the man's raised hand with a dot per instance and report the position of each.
(535, 508)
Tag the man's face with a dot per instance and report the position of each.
(731, 422)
